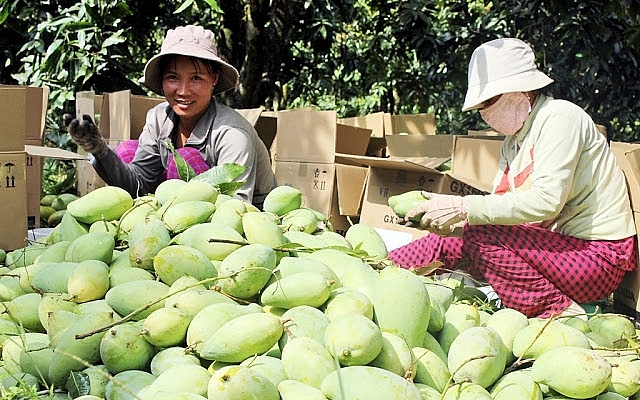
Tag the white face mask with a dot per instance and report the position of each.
(508, 113)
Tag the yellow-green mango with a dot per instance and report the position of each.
(210, 319)
(145, 241)
(193, 190)
(54, 252)
(172, 262)
(516, 385)
(89, 280)
(123, 273)
(457, 318)
(24, 256)
(262, 228)
(575, 372)
(625, 376)
(353, 339)
(10, 287)
(55, 218)
(230, 213)
(183, 378)
(347, 268)
(367, 382)
(58, 321)
(193, 301)
(215, 240)
(91, 246)
(333, 239)
(539, 336)
(282, 199)
(15, 345)
(166, 327)
(269, 366)
(235, 382)
(401, 289)
(304, 241)
(107, 202)
(143, 208)
(9, 329)
(71, 228)
(507, 322)
(180, 216)
(396, 356)
(110, 227)
(303, 321)
(245, 271)
(291, 265)
(51, 302)
(53, 277)
(477, 355)
(402, 203)
(172, 356)
(243, 337)
(347, 301)
(300, 220)
(85, 349)
(466, 391)
(430, 370)
(302, 288)
(24, 311)
(306, 360)
(616, 327)
(290, 389)
(149, 294)
(364, 237)
(167, 189)
(126, 385)
(47, 199)
(123, 348)
(61, 201)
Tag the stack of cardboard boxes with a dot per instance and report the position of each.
(23, 113)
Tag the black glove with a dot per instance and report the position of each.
(86, 134)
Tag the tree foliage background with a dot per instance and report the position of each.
(352, 56)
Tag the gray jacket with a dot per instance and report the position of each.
(222, 136)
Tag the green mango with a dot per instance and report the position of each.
(104, 203)
(282, 199)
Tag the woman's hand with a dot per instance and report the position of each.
(86, 134)
(440, 213)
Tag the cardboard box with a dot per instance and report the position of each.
(306, 148)
(626, 298)
(23, 111)
(266, 124)
(13, 192)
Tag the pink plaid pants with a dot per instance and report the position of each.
(531, 269)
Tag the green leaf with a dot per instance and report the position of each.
(78, 384)
(184, 6)
(224, 177)
(185, 171)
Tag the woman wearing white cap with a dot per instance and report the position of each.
(188, 73)
(557, 229)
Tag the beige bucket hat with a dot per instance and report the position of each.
(193, 41)
(502, 66)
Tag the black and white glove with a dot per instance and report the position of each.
(86, 134)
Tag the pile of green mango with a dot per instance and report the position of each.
(187, 293)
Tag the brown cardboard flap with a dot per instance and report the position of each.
(634, 160)
(420, 145)
(308, 136)
(399, 163)
(352, 140)
(374, 121)
(475, 160)
(52, 152)
(351, 181)
(139, 107)
(34, 103)
(413, 124)
(251, 114)
(115, 116)
(13, 114)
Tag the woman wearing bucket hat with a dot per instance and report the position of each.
(188, 72)
(557, 229)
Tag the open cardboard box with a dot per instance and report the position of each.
(306, 148)
(266, 124)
